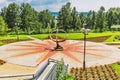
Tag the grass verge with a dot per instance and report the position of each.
(116, 67)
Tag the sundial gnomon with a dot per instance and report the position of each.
(54, 36)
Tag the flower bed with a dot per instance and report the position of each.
(98, 39)
(105, 72)
(117, 37)
(7, 41)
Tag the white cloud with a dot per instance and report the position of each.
(52, 7)
(82, 5)
(86, 5)
(28, 1)
(55, 5)
(25, 1)
(3, 3)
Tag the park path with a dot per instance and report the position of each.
(115, 44)
(33, 38)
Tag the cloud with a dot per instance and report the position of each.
(10, 0)
(86, 5)
(23, 1)
(81, 5)
(55, 5)
(3, 3)
(52, 5)
(46, 2)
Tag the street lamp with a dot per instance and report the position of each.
(16, 29)
(85, 32)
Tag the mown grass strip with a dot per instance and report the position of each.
(116, 67)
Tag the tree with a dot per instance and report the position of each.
(28, 16)
(113, 16)
(109, 19)
(45, 17)
(99, 20)
(16, 30)
(3, 26)
(12, 14)
(3, 13)
(75, 20)
(90, 19)
(82, 18)
(64, 18)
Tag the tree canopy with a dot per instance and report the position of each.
(27, 20)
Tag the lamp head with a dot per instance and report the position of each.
(85, 31)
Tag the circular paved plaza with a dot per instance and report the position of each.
(34, 52)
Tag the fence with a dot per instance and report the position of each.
(46, 71)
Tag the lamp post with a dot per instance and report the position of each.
(85, 32)
(16, 29)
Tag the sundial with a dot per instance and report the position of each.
(57, 39)
(35, 52)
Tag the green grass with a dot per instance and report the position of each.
(40, 36)
(1, 43)
(78, 36)
(116, 67)
(12, 38)
(111, 39)
(71, 36)
(22, 37)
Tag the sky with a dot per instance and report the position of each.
(55, 5)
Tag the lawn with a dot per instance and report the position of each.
(70, 36)
(116, 67)
(78, 36)
(23, 37)
(12, 38)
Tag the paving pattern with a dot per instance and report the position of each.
(34, 52)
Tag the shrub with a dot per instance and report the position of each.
(2, 62)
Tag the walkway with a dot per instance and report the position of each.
(32, 53)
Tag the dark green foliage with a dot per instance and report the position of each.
(3, 13)
(110, 19)
(113, 17)
(12, 15)
(3, 26)
(61, 73)
(68, 18)
(90, 19)
(47, 19)
(64, 17)
(117, 37)
(29, 21)
(99, 20)
(29, 18)
(76, 22)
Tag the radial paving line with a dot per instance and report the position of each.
(34, 52)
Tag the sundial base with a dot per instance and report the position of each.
(58, 48)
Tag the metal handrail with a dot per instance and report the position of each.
(37, 73)
(53, 67)
(16, 75)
